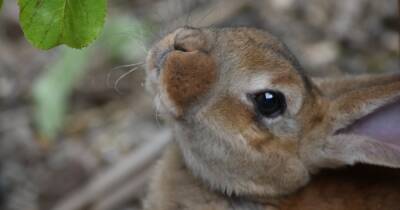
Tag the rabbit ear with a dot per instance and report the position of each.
(364, 119)
(335, 86)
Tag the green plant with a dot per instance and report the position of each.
(49, 23)
(52, 90)
(75, 23)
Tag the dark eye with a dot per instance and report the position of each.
(270, 103)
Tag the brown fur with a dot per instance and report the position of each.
(187, 76)
(286, 79)
(168, 188)
(228, 156)
(335, 86)
(192, 40)
(354, 188)
(233, 115)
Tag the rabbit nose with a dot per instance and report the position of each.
(190, 40)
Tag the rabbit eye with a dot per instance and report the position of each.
(270, 103)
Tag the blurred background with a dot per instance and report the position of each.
(78, 130)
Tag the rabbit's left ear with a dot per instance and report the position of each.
(365, 126)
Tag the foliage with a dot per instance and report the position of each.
(75, 23)
(49, 23)
(51, 92)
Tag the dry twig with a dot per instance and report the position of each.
(115, 177)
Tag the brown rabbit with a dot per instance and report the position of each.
(252, 130)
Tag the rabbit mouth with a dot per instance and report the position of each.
(382, 125)
(160, 59)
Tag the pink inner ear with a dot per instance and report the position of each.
(382, 125)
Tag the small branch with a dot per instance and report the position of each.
(112, 178)
(131, 189)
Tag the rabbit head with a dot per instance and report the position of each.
(249, 122)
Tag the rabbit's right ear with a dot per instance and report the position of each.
(363, 120)
(334, 87)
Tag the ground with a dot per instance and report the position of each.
(104, 127)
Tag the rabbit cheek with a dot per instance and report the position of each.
(236, 118)
(186, 76)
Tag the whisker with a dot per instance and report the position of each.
(121, 77)
(157, 114)
(120, 67)
(127, 65)
(187, 6)
(139, 39)
(207, 13)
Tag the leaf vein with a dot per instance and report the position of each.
(46, 33)
(31, 18)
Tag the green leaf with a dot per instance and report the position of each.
(52, 90)
(122, 39)
(49, 23)
(1, 3)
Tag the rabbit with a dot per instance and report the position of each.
(253, 131)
